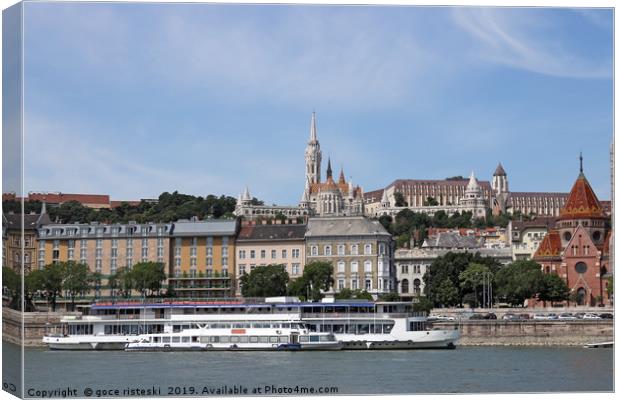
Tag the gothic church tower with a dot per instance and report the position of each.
(313, 155)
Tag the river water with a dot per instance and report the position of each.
(463, 370)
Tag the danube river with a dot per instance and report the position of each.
(464, 370)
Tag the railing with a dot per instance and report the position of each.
(357, 315)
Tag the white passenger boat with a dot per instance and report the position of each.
(356, 324)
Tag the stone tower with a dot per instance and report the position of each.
(313, 155)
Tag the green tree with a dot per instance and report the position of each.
(422, 304)
(519, 281)
(122, 282)
(52, 282)
(297, 287)
(610, 286)
(265, 281)
(389, 297)
(399, 200)
(430, 201)
(77, 280)
(553, 289)
(34, 282)
(12, 284)
(447, 294)
(148, 276)
(318, 277)
(357, 294)
(472, 280)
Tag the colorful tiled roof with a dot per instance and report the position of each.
(551, 246)
(582, 202)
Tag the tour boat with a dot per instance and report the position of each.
(356, 324)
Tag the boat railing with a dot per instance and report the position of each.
(356, 315)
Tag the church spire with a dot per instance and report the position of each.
(341, 179)
(313, 127)
(329, 168)
(580, 164)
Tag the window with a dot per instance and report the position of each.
(295, 268)
(341, 249)
(242, 254)
(314, 250)
(284, 254)
(263, 253)
(368, 249)
(295, 253)
(382, 249)
(354, 266)
(224, 261)
(252, 253)
(404, 269)
(341, 266)
(241, 269)
(273, 254)
(368, 284)
(192, 252)
(416, 287)
(209, 251)
(354, 249)
(209, 241)
(353, 284)
(328, 250)
(340, 284)
(192, 262)
(404, 286)
(209, 261)
(367, 266)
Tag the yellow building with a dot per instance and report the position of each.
(202, 260)
(104, 248)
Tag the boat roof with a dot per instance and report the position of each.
(213, 304)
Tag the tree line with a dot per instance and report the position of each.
(71, 279)
(458, 278)
(169, 207)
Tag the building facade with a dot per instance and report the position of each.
(202, 258)
(19, 246)
(526, 236)
(359, 249)
(263, 244)
(577, 249)
(105, 248)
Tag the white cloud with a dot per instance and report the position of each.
(519, 39)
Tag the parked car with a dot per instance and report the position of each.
(552, 316)
(510, 317)
(489, 316)
(524, 316)
(539, 317)
(591, 316)
(580, 315)
(606, 316)
(567, 317)
(477, 316)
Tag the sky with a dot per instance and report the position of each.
(136, 99)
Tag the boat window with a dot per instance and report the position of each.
(362, 329)
(224, 339)
(273, 339)
(156, 339)
(275, 326)
(286, 325)
(387, 328)
(263, 339)
(243, 339)
(234, 339)
(225, 326)
(194, 339)
(253, 339)
(327, 338)
(303, 339)
(185, 339)
(165, 339)
(314, 338)
(326, 328)
(214, 339)
(204, 339)
(376, 328)
(176, 328)
(283, 339)
(176, 339)
(338, 328)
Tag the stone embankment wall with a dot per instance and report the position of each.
(531, 333)
(36, 324)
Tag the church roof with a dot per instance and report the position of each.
(499, 171)
(272, 232)
(582, 201)
(550, 247)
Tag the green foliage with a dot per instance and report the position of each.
(448, 269)
(122, 282)
(77, 279)
(610, 286)
(389, 297)
(447, 295)
(11, 282)
(386, 221)
(317, 277)
(148, 276)
(430, 201)
(471, 281)
(297, 287)
(399, 200)
(519, 281)
(553, 289)
(422, 304)
(265, 281)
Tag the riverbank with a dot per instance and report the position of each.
(473, 332)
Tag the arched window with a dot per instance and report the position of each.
(416, 287)
(404, 286)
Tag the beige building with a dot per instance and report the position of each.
(202, 258)
(104, 248)
(270, 244)
(526, 236)
(359, 249)
(19, 246)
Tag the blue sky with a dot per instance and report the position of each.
(137, 99)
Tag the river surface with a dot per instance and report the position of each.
(463, 370)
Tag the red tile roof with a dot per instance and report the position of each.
(582, 202)
(550, 247)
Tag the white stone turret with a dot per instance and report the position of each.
(385, 202)
(313, 154)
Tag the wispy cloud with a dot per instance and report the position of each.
(519, 39)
